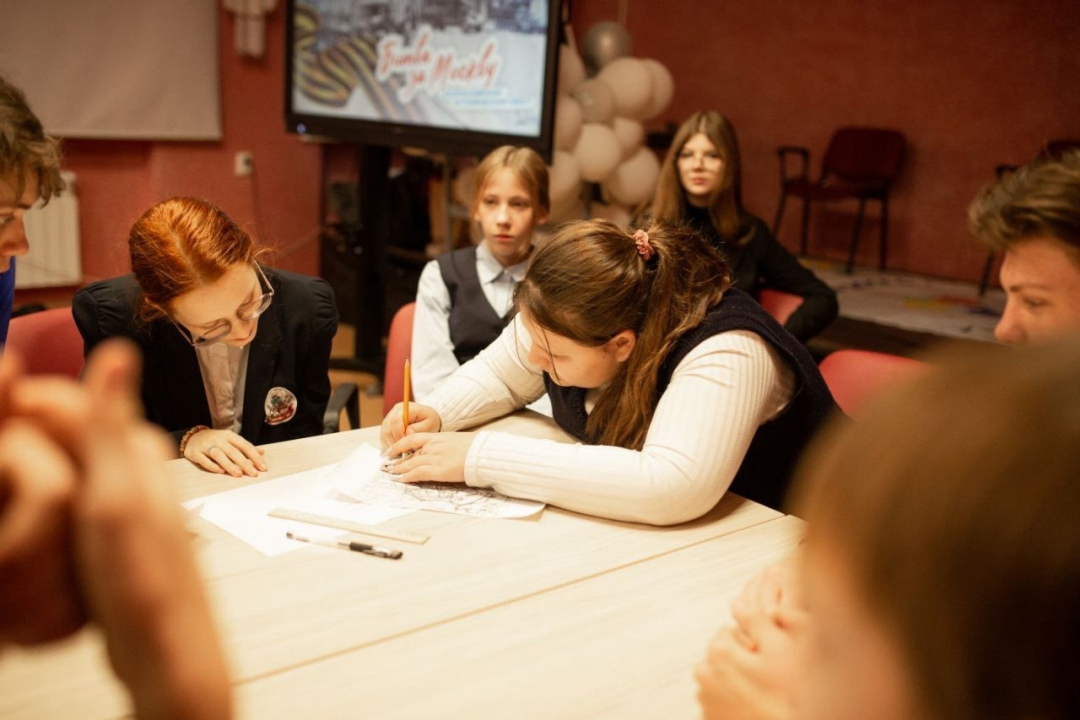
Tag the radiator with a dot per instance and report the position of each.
(52, 231)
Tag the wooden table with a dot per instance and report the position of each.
(557, 616)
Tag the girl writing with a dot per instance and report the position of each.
(681, 386)
(235, 354)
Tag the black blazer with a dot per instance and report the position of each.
(291, 350)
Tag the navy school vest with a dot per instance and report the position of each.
(474, 324)
(766, 469)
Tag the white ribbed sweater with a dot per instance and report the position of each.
(720, 393)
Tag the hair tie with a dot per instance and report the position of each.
(644, 247)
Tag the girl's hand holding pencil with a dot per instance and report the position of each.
(422, 419)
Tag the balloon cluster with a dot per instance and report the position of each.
(599, 135)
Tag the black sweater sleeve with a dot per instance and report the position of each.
(778, 269)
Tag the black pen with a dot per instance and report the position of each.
(375, 550)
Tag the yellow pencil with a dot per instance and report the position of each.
(405, 398)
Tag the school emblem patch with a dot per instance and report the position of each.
(280, 406)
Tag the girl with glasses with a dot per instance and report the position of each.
(701, 185)
(236, 355)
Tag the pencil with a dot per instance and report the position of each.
(405, 398)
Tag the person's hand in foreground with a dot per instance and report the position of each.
(747, 671)
(134, 572)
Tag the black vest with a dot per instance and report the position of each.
(766, 469)
(474, 324)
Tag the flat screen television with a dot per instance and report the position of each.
(457, 76)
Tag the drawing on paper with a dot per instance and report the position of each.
(359, 477)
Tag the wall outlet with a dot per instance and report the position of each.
(244, 163)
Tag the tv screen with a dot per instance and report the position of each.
(460, 76)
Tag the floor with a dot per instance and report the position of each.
(905, 314)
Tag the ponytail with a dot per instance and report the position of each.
(592, 281)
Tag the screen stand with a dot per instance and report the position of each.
(372, 231)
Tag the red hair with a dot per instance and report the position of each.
(181, 244)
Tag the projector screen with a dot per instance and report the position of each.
(461, 76)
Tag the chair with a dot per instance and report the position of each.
(346, 396)
(48, 342)
(1052, 150)
(779, 304)
(398, 347)
(860, 163)
(855, 376)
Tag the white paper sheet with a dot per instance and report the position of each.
(243, 512)
(359, 476)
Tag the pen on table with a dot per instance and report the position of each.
(352, 545)
(405, 398)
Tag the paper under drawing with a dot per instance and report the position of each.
(359, 476)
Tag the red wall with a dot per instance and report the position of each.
(118, 180)
(972, 83)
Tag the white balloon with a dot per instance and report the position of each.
(571, 69)
(597, 152)
(631, 83)
(597, 101)
(615, 213)
(564, 180)
(663, 89)
(568, 121)
(634, 181)
(631, 134)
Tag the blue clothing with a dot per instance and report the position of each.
(7, 300)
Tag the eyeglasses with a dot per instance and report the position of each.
(707, 159)
(247, 312)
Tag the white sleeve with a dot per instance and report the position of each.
(497, 381)
(719, 395)
(432, 356)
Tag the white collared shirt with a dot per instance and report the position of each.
(224, 372)
(433, 358)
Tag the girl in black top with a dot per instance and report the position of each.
(701, 185)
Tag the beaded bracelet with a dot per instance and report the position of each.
(187, 436)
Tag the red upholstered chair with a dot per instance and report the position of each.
(779, 304)
(398, 347)
(855, 376)
(860, 163)
(48, 342)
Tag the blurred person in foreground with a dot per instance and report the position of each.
(90, 533)
(1033, 216)
(941, 563)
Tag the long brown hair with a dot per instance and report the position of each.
(181, 244)
(588, 283)
(726, 210)
(25, 149)
(954, 505)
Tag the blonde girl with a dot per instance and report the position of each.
(464, 297)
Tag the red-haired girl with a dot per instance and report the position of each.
(235, 354)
